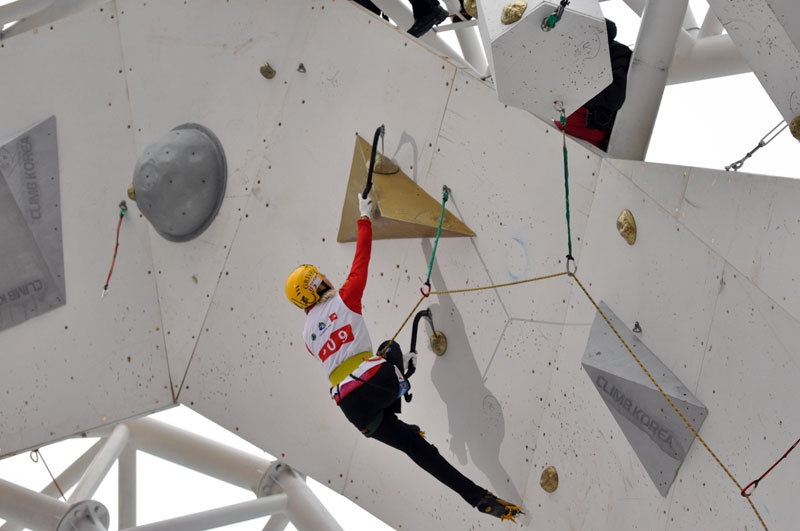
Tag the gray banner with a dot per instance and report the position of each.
(31, 253)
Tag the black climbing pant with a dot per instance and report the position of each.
(378, 397)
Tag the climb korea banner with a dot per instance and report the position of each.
(31, 253)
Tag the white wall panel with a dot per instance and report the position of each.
(661, 182)
(293, 217)
(511, 163)
(753, 223)
(199, 62)
(680, 301)
(188, 275)
(746, 383)
(749, 384)
(672, 295)
(93, 361)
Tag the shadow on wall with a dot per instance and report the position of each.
(474, 415)
(405, 138)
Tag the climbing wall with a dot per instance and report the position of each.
(92, 361)
(205, 323)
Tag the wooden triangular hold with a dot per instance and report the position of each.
(403, 209)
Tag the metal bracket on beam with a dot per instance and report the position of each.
(87, 515)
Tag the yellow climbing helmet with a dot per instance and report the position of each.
(302, 285)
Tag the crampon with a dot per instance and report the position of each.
(491, 504)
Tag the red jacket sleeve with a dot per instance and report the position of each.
(353, 288)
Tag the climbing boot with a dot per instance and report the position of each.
(427, 21)
(491, 504)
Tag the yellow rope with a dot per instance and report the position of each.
(624, 343)
(669, 400)
(464, 290)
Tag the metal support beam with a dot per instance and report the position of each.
(711, 26)
(470, 42)
(126, 491)
(281, 489)
(647, 76)
(685, 37)
(702, 53)
(277, 522)
(401, 15)
(198, 453)
(231, 514)
(30, 509)
(86, 515)
(14, 11)
(101, 464)
(709, 57)
(304, 509)
(47, 15)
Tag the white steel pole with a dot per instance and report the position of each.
(710, 57)
(198, 453)
(30, 509)
(231, 514)
(711, 25)
(277, 522)
(126, 494)
(647, 77)
(304, 510)
(401, 15)
(14, 11)
(101, 464)
(470, 42)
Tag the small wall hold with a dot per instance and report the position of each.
(471, 7)
(438, 343)
(384, 165)
(794, 127)
(549, 479)
(267, 71)
(513, 12)
(301, 68)
(626, 226)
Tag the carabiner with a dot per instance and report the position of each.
(423, 291)
(571, 259)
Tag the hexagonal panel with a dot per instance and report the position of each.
(533, 68)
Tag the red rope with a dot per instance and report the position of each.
(754, 483)
(122, 209)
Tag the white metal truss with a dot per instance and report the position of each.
(281, 492)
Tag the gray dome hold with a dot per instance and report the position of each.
(179, 182)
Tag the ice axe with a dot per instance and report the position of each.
(378, 163)
(379, 132)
